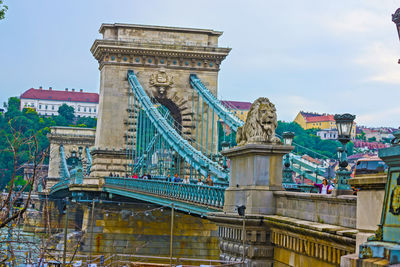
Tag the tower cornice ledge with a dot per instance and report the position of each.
(102, 47)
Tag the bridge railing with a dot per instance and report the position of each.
(199, 194)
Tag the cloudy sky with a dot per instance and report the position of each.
(323, 56)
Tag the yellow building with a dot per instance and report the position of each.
(240, 109)
(310, 120)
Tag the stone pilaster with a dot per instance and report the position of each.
(369, 204)
(256, 172)
(104, 163)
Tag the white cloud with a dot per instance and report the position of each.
(381, 59)
(382, 117)
(356, 21)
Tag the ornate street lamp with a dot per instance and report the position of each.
(288, 138)
(287, 171)
(396, 20)
(344, 125)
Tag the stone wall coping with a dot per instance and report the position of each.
(369, 181)
(315, 196)
(343, 235)
(258, 149)
(72, 128)
(96, 151)
(159, 28)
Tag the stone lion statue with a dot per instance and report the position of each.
(260, 124)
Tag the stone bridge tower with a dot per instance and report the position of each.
(163, 57)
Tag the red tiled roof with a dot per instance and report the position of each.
(236, 104)
(309, 114)
(76, 96)
(320, 118)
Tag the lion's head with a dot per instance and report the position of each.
(260, 124)
(266, 114)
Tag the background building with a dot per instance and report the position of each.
(311, 120)
(328, 134)
(240, 109)
(47, 102)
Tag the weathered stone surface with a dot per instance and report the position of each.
(341, 210)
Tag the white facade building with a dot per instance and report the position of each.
(328, 134)
(47, 102)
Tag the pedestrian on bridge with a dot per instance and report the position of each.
(324, 188)
(176, 178)
(186, 180)
(209, 181)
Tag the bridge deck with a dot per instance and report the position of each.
(197, 199)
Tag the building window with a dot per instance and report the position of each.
(90, 109)
(52, 107)
(40, 106)
(45, 108)
(79, 108)
(94, 110)
(84, 109)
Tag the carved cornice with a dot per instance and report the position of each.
(174, 56)
(71, 139)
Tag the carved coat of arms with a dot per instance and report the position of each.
(394, 206)
(161, 82)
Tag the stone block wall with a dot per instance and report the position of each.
(142, 230)
(341, 210)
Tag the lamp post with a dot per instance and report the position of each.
(225, 145)
(344, 125)
(396, 20)
(287, 170)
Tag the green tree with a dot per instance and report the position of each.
(372, 139)
(3, 10)
(67, 112)
(86, 122)
(307, 142)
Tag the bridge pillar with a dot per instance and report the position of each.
(71, 138)
(256, 172)
(163, 59)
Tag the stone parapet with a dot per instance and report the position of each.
(272, 240)
(339, 210)
(301, 243)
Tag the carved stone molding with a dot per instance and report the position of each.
(158, 55)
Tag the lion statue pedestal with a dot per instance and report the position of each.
(256, 163)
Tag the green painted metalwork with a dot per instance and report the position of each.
(89, 161)
(150, 115)
(209, 196)
(386, 242)
(64, 173)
